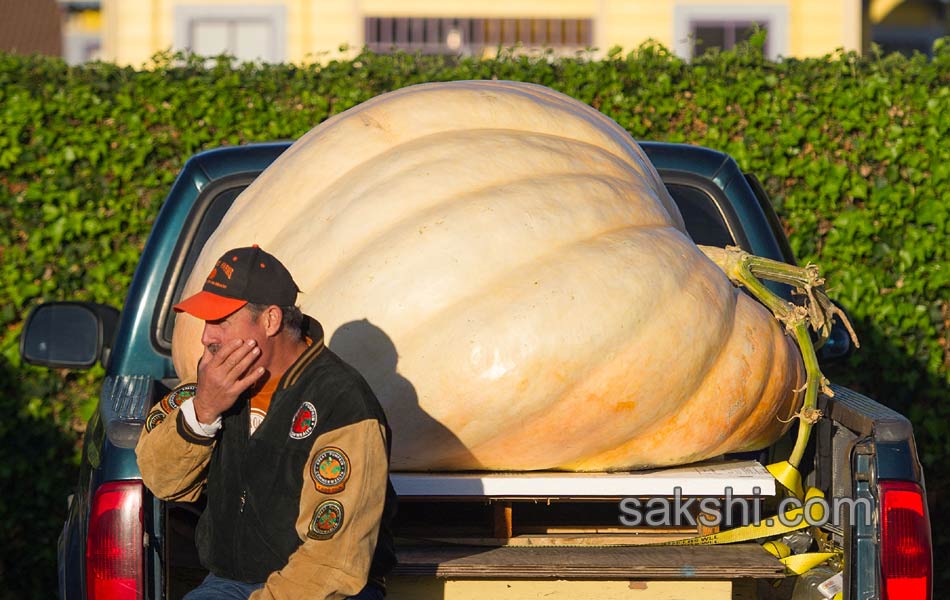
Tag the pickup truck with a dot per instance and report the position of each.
(121, 542)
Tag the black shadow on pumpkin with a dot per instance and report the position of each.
(372, 352)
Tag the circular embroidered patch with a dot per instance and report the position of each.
(154, 420)
(327, 520)
(330, 470)
(304, 421)
(256, 418)
(179, 395)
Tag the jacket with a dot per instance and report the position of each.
(304, 504)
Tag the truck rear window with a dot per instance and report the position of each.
(703, 218)
(207, 213)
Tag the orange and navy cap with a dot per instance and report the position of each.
(241, 276)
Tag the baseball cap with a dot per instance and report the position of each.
(240, 276)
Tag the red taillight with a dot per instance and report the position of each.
(114, 547)
(906, 554)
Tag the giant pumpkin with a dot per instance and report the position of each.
(506, 269)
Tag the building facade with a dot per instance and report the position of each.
(315, 30)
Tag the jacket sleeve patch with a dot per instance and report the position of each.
(177, 396)
(154, 419)
(327, 520)
(166, 405)
(329, 470)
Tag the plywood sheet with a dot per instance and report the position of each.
(656, 562)
(428, 588)
(743, 478)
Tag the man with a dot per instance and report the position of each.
(287, 440)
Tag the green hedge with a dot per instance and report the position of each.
(853, 151)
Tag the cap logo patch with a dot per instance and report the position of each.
(330, 470)
(327, 520)
(304, 421)
(225, 268)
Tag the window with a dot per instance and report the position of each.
(701, 214)
(82, 32)
(701, 27)
(206, 214)
(249, 33)
(724, 35)
(81, 47)
(430, 35)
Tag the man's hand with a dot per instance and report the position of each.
(224, 376)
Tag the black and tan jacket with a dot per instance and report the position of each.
(305, 503)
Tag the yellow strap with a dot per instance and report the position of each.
(796, 564)
(801, 563)
(788, 476)
(772, 526)
(777, 549)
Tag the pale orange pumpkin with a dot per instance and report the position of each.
(506, 269)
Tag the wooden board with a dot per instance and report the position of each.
(743, 478)
(655, 562)
(556, 539)
(430, 588)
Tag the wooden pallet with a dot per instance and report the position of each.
(656, 562)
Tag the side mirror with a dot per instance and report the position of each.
(68, 335)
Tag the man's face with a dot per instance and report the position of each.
(240, 325)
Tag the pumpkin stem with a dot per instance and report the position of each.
(817, 312)
(814, 380)
(748, 270)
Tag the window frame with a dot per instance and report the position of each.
(716, 197)
(476, 35)
(178, 275)
(730, 29)
(186, 17)
(774, 17)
